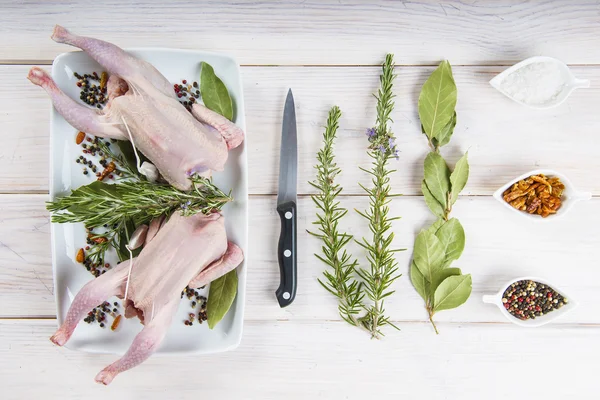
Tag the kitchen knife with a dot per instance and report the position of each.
(286, 205)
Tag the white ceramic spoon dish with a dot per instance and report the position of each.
(569, 198)
(538, 321)
(525, 80)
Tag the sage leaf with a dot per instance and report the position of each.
(428, 254)
(459, 177)
(452, 237)
(434, 205)
(419, 281)
(452, 292)
(443, 138)
(214, 93)
(221, 294)
(441, 275)
(437, 100)
(437, 178)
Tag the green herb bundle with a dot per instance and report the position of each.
(366, 295)
(436, 247)
(341, 281)
(383, 269)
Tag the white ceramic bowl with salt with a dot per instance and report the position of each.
(538, 82)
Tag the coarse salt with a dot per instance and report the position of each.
(538, 83)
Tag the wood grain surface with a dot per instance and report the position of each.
(328, 52)
(331, 32)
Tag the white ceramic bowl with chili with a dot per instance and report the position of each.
(569, 197)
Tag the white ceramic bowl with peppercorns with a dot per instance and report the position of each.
(497, 299)
(569, 197)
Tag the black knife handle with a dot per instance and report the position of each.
(286, 253)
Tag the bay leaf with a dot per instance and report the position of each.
(435, 226)
(419, 281)
(214, 92)
(459, 177)
(126, 149)
(443, 138)
(452, 292)
(434, 205)
(437, 100)
(437, 177)
(428, 254)
(452, 237)
(123, 239)
(441, 275)
(221, 294)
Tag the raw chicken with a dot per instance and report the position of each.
(143, 108)
(186, 251)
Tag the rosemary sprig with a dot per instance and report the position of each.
(140, 201)
(126, 167)
(117, 209)
(341, 281)
(383, 266)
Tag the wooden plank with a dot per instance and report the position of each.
(320, 360)
(500, 247)
(355, 32)
(504, 139)
(25, 266)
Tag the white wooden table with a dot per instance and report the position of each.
(329, 53)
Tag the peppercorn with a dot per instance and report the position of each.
(529, 299)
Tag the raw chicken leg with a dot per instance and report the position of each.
(231, 259)
(177, 256)
(138, 72)
(142, 107)
(93, 293)
(82, 118)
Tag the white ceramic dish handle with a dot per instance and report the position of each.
(581, 83)
(489, 298)
(581, 196)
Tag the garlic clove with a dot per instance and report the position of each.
(138, 237)
(149, 171)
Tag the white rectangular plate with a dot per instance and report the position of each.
(65, 175)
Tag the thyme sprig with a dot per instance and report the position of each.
(383, 269)
(340, 281)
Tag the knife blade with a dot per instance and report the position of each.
(286, 205)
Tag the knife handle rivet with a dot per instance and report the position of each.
(286, 295)
(287, 253)
(288, 215)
